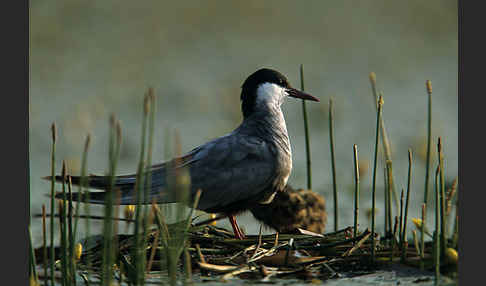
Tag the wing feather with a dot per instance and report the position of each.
(232, 169)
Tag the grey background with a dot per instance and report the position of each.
(89, 59)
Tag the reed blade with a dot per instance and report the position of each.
(422, 236)
(53, 191)
(384, 137)
(443, 221)
(333, 164)
(409, 184)
(356, 189)
(306, 130)
(428, 86)
(437, 228)
(373, 188)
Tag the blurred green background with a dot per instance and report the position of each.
(89, 59)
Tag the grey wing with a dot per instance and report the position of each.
(232, 169)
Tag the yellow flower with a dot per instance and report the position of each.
(451, 255)
(129, 211)
(212, 216)
(418, 224)
(33, 282)
(78, 250)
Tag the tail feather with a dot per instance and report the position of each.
(124, 184)
(125, 197)
(101, 182)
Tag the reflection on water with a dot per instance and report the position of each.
(92, 58)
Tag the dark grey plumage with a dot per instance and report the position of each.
(236, 171)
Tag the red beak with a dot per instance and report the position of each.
(300, 94)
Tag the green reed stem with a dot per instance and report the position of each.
(333, 163)
(384, 137)
(187, 266)
(450, 195)
(400, 227)
(428, 85)
(455, 235)
(306, 130)
(33, 270)
(138, 252)
(62, 243)
(443, 222)
(83, 187)
(82, 184)
(409, 184)
(187, 257)
(394, 238)
(106, 276)
(63, 224)
(437, 228)
(181, 180)
(416, 242)
(385, 183)
(422, 236)
(356, 189)
(53, 191)
(389, 175)
(151, 107)
(71, 265)
(108, 228)
(44, 243)
(373, 188)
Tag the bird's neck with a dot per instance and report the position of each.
(268, 122)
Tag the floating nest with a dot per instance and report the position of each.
(298, 250)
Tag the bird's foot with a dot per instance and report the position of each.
(238, 233)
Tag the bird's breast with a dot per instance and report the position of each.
(283, 168)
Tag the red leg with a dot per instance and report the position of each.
(238, 233)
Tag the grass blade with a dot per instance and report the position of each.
(437, 228)
(306, 130)
(384, 137)
(389, 175)
(53, 191)
(109, 243)
(416, 242)
(150, 101)
(400, 227)
(63, 224)
(83, 186)
(385, 201)
(443, 221)
(33, 270)
(373, 188)
(428, 86)
(356, 189)
(409, 183)
(44, 243)
(333, 163)
(422, 236)
(394, 238)
(71, 265)
(138, 255)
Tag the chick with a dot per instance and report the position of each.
(292, 209)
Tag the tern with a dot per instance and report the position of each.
(235, 172)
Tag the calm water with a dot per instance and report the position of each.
(93, 58)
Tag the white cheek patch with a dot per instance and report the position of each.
(270, 94)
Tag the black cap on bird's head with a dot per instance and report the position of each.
(262, 76)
